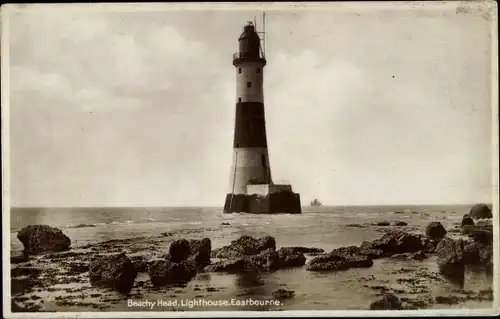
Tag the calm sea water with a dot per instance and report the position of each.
(318, 226)
(324, 227)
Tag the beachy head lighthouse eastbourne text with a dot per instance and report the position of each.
(251, 187)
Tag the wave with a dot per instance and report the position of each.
(114, 222)
(80, 226)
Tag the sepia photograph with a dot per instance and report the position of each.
(250, 159)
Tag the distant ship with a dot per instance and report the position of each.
(315, 202)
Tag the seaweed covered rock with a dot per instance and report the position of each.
(197, 250)
(480, 211)
(303, 250)
(450, 252)
(435, 230)
(228, 265)
(290, 257)
(39, 239)
(340, 259)
(387, 302)
(467, 221)
(394, 242)
(419, 255)
(179, 250)
(200, 251)
(480, 232)
(140, 263)
(367, 249)
(400, 223)
(283, 294)
(245, 246)
(266, 260)
(164, 272)
(478, 253)
(114, 271)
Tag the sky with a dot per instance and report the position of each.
(363, 106)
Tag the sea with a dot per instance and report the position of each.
(325, 227)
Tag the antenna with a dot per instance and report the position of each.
(262, 47)
(264, 33)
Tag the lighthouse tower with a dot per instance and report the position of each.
(251, 187)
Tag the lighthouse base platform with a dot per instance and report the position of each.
(266, 199)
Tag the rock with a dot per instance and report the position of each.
(356, 225)
(304, 250)
(479, 232)
(486, 224)
(368, 250)
(266, 260)
(179, 250)
(419, 255)
(450, 260)
(384, 223)
(164, 272)
(225, 224)
(387, 302)
(449, 300)
(197, 250)
(399, 223)
(466, 220)
(267, 242)
(114, 271)
(140, 263)
(78, 268)
(395, 242)
(283, 294)
(450, 252)
(414, 304)
(200, 251)
(478, 253)
(435, 230)
(467, 229)
(229, 265)
(291, 257)
(398, 213)
(245, 246)
(482, 236)
(42, 239)
(429, 245)
(17, 259)
(25, 271)
(340, 259)
(480, 211)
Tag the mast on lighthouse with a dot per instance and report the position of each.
(251, 187)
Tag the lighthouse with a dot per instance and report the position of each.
(251, 188)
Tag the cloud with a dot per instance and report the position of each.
(138, 108)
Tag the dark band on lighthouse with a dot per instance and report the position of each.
(250, 125)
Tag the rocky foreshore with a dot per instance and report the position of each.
(133, 267)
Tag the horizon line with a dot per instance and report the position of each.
(221, 206)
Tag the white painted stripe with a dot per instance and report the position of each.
(247, 166)
(253, 73)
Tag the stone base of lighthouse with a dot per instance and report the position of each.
(281, 201)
